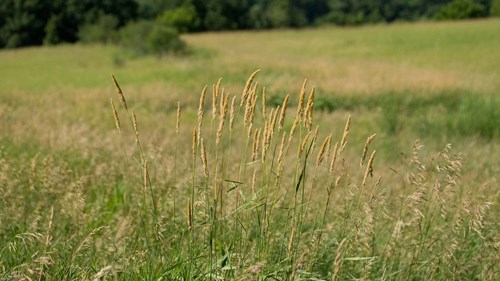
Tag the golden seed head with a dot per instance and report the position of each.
(231, 114)
(256, 144)
(215, 95)
(204, 158)
(321, 152)
(365, 149)
(252, 107)
(134, 124)
(115, 115)
(120, 93)
(282, 148)
(194, 144)
(300, 106)
(201, 112)
(222, 119)
(303, 145)
(223, 98)
(369, 167)
(246, 90)
(145, 174)
(308, 115)
(283, 112)
(328, 146)
(248, 108)
(217, 86)
(272, 124)
(254, 180)
(292, 130)
(343, 142)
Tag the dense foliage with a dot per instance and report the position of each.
(36, 22)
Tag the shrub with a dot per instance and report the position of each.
(149, 37)
(495, 8)
(460, 9)
(103, 31)
(183, 18)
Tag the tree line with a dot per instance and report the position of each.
(156, 23)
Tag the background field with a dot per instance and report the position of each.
(436, 82)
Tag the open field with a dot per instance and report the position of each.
(80, 200)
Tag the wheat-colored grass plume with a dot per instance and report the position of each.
(232, 114)
(134, 124)
(282, 149)
(345, 134)
(204, 158)
(223, 97)
(222, 119)
(193, 146)
(145, 175)
(256, 144)
(334, 157)
(303, 144)
(308, 114)
(365, 149)
(322, 150)
(115, 115)
(200, 112)
(273, 123)
(120, 93)
(300, 105)
(246, 90)
(283, 113)
(369, 167)
(214, 102)
(254, 181)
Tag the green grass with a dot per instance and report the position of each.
(80, 201)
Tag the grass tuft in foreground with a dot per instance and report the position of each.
(253, 193)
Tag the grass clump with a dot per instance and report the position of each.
(253, 191)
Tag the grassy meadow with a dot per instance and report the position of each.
(256, 177)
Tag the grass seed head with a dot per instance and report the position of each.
(283, 113)
(120, 93)
(200, 112)
(365, 149)
(204, 158)
(282, 148)
(308, 115)
(115, 115)
(134, 124)
(300, 106)
(231, 114)
(369, 167)
(343, 142)
(322, 150)
(246, 90)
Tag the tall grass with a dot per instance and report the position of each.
(256, 192)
